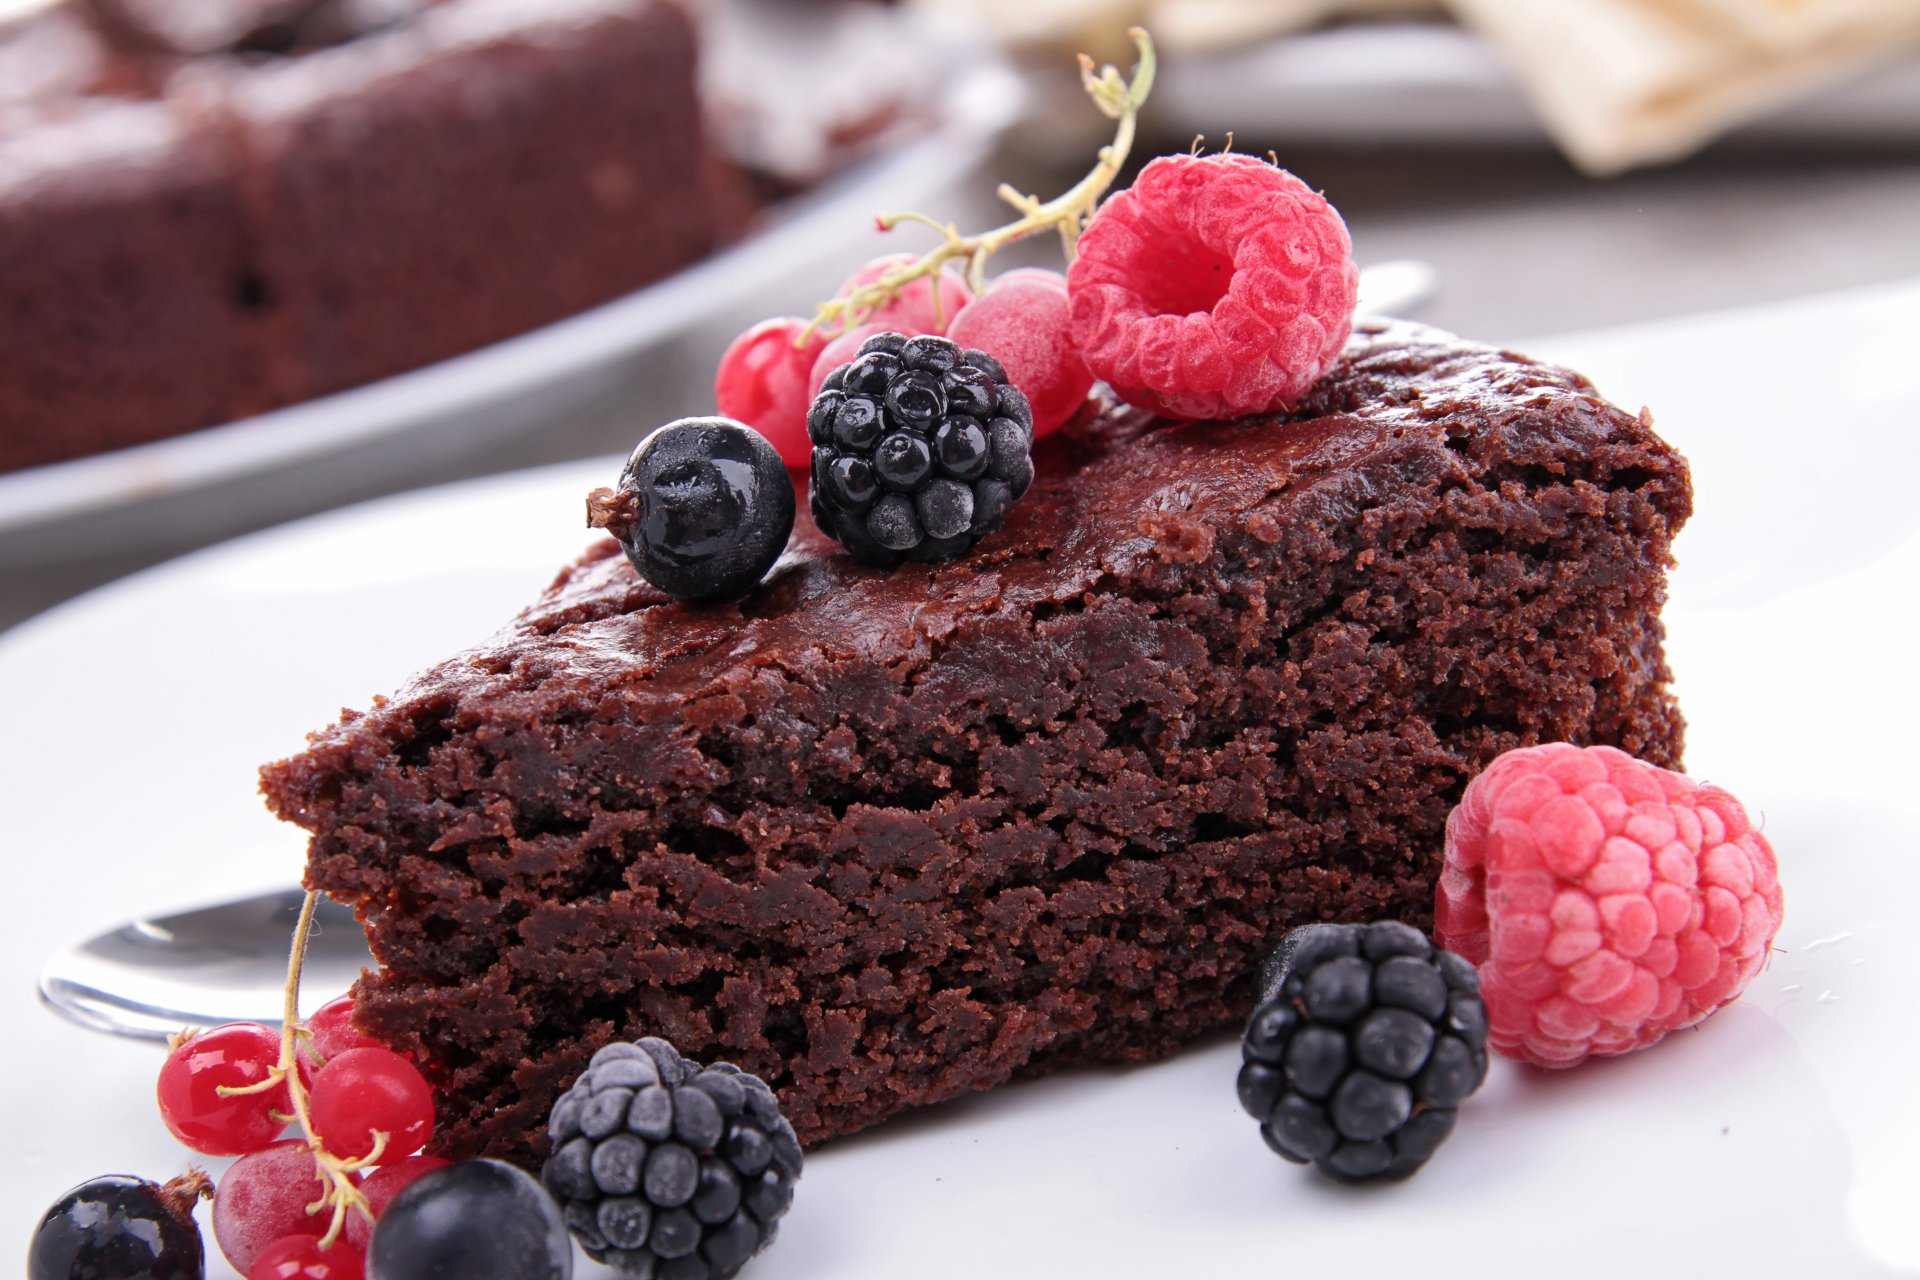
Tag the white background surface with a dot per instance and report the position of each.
(1780, 1139)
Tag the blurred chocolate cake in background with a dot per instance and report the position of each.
(211, 208)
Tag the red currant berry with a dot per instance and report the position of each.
(1025, 322)
(333, 1030)
(364, 1091)
(1029, 275)
(381, 1186)
(264, 1197)
(762, 381)
(913, 310)
(235, 1055)
(302, 1258)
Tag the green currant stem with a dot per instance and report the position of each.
(334, 1173)
(1118, 99)
(270, 1081)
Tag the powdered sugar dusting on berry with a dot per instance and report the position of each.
(914, 309)
(1216, 287)
(263, 1197)
(1606, 901)
(1023, 321)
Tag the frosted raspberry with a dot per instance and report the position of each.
(1216, 286)
(1606, 901)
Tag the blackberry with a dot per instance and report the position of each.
(919, 450)
(1363, 1042)
(703, 509)
(665, 1167)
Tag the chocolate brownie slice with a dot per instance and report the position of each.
(122, 253)
(889, 838)
(499, 140)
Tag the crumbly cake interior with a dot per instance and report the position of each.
(888, 839)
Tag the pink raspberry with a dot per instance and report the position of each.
(1216, 286)
(1607, 901)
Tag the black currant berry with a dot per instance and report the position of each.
(121, 1228)
(703, 509)
(477, 1220)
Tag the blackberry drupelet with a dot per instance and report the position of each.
(1364, 1041)
(665, 1167)
(919, 450)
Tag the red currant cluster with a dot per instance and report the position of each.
(299, 1208)
(772, 372)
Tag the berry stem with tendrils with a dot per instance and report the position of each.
(1117, 98)
(334, 1173)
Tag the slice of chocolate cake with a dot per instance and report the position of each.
(889, 838)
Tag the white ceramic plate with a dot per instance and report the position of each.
(1780, 1139)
